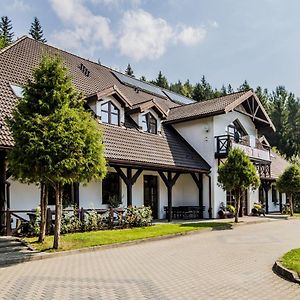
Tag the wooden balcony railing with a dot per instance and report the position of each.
(252, 147)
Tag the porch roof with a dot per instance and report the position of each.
(129, 146)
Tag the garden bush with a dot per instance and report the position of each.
(138, 216)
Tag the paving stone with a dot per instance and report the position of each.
(228, 264)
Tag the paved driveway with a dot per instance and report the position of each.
(231, 264)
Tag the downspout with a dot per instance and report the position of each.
(209, 196)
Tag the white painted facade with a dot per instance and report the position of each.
(200, 134)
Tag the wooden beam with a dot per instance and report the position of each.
(251, 116)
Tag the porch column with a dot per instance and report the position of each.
(129, 180)
(2, 187)
(169, 182)
(199, 182)
(266, 186)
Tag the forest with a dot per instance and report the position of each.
(282, 106)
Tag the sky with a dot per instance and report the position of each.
(228, 41)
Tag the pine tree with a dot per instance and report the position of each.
(36, 31)
(230, 89)
(223, 90)
(244, 87)
(162, 81)
(177, 87)
(6, 31)
(143, 78)
(129, 71)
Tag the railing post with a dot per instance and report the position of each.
(8, 222)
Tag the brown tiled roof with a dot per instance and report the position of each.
(166, 150)
(124, 144)
(278, 165)
(204, 108)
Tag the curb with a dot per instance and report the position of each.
(285, 273)
(40, 255)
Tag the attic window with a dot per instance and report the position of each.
(18, 90)
(149, 123)
(84, 70)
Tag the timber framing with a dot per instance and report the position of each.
(169, 181)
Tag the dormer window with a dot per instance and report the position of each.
(110, 113)
(149, 123)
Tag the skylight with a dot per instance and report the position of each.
(18, 90)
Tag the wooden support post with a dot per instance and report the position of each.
(266, 186)
(199, 182)
(129, 180)
(169, 182)
(76, 194)
(129, 187)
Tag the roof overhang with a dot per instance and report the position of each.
(253, 109)
(111, 91)
(149, 104)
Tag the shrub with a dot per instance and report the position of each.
(95, 221)
(34, 226)
(71, 223)
(138, 216)
(231, 209)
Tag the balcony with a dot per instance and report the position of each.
(249, 144)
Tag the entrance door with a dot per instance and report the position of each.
(151, 194)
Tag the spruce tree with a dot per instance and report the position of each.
(57, 142)
(129, 71)
(244, 87)
(230, 90)
(6, 31)
(36, 31)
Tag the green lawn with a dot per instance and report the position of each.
(291, 260)
(106, 237)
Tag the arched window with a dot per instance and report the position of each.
(149, 123)
(110, 113)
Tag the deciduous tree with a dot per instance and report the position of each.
(289, 183)
(237, 175)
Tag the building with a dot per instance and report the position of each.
(163, 149)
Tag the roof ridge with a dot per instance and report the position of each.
(13, 43)
(212, 99)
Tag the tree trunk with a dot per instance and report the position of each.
(44, 204)
(291, 205)
(58, 215)
(237, 207)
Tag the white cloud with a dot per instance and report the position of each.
(19, 5)
(191, 36)
(140, 34)
(83, 28)
(143, 36)
(117, 2)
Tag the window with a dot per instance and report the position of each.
(111, 187)
(110, 113)
(149, 123)
(18, 90)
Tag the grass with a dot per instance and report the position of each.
(291, 260)
(297, 215)
(106, 237)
